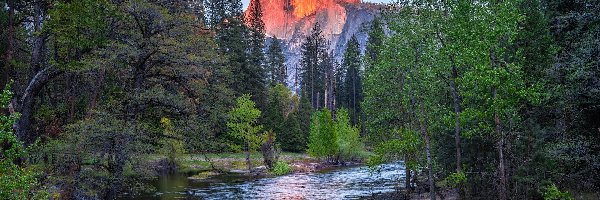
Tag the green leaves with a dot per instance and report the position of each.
(323, 138)
(281, 168)
(551, 192)
(349, 142)
(242, 122)
(17, 180)
(336, 140)
(79, 27)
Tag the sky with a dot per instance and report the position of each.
(246, 2)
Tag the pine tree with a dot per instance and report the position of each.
(255, 82)
(375, 41)
(352, 93)
(305, 110)
(328, 67)
(218, 11)
(275, 63)
(312, 74)
(295, 139)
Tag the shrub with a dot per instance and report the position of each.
(323, 139)
(456, 179)
(336, 140)
(281, 168)
(172, 146)
(350, 146)
(17, 180)
(551, 192)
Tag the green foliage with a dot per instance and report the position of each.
(218, 10)
(349, 142)
(335, 140)
(323, 141)
(551, 192)
(17, 179)
(102, 73)
(409, 146)
(242, 45)
(313, 65)
(350, 93)
(305, 112)
(79, 27)
(172, 144)
(242, 123)
(281, 168)
(456, 179)
(281, 116)
(375, 42)
(103, 143)
(275, 63)
(293, 139)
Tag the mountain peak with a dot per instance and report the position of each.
(292, 20)
(280, 16)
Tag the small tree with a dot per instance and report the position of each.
(172, 143)
(323, 139)
(348, 137)
(242, 124)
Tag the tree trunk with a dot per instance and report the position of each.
(502, 186)
(138, 82)
(457, 110)
(422, 120)
(408, 176)
(42, 76)
(425, 132)
(39, 39)
(312, 87)
(71, 95)
(23, 125)
(96, 94)
(354, 98)
(501, 159)
(248, 160)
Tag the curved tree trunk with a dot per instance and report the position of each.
(26, 105)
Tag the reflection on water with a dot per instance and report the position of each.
(343, 183)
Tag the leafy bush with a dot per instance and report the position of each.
(456, 179)
(281, 168)
(336, 140)
(17, 181)
(323, 141)
(172, 145)
(350, 146)
(551, 192)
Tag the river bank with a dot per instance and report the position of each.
(205, 165)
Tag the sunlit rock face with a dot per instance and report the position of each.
(281, 17)
(292, 20)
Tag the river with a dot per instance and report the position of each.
(340, 183)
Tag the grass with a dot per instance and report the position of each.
(194, 163)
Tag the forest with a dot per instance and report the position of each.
(478, 99)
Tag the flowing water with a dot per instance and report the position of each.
(340, 183)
